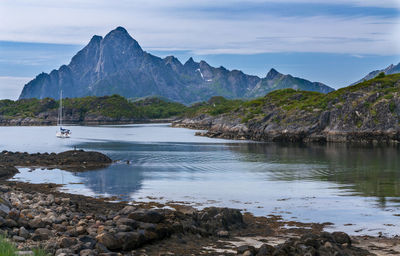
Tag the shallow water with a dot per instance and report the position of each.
(330, 183)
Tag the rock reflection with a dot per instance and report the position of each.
(365, 170)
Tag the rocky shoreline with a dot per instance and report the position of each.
(225, 127)
(38, 216)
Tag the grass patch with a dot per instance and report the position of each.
(7, 248)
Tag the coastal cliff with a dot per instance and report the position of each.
(368, 112)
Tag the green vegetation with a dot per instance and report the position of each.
(214, 106)
(288, 102)
(383, 87)
(114, 106)
(8, 249)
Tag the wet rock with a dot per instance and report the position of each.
(41, 234)
(223, 233)
(38, 222)
(13, 214)
(88, 241)
(5, 207)
(130, 240)
(150, 216)
(127, 210)
(7, 170)
(10, 223)
(109, 241)
(79, 159)
(2, 221)
(265, 250)
(341, 238)
(246, 248)
(24, 233)
(87, 252)
(18, 239)
(127, 222)
(67, 242)
(64, 252)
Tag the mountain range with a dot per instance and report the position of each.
(392, 69)
(116, 64)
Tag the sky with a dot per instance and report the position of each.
(336, 42)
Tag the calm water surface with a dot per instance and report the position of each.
(330, 183)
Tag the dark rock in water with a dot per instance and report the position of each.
(77, 160)
(7, 171)
(341, 238)
(213, 219)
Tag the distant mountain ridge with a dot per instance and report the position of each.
(392, 69)
(116, 64)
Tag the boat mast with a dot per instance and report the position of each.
(60, 111)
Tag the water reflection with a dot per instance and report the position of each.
(336, 183)
(367, 171)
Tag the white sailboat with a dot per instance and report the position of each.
(62, 133)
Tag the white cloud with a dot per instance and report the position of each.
(160, 24)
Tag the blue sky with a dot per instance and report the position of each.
(334, 42)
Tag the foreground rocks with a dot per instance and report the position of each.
(77, 160)
(74, 226)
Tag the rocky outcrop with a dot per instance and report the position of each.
(116, 64)
(77, 160)
(365, 113)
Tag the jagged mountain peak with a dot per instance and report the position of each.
(95, 39)
(116, 64)
(120, 38)
(172, 59)
(272, 74)
(119, 31)
(190, 61)
(191, 64)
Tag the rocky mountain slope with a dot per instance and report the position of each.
(366, 112)
(116, 64)
(392, 69)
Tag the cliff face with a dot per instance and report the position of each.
(367, 112)
(116, 64)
